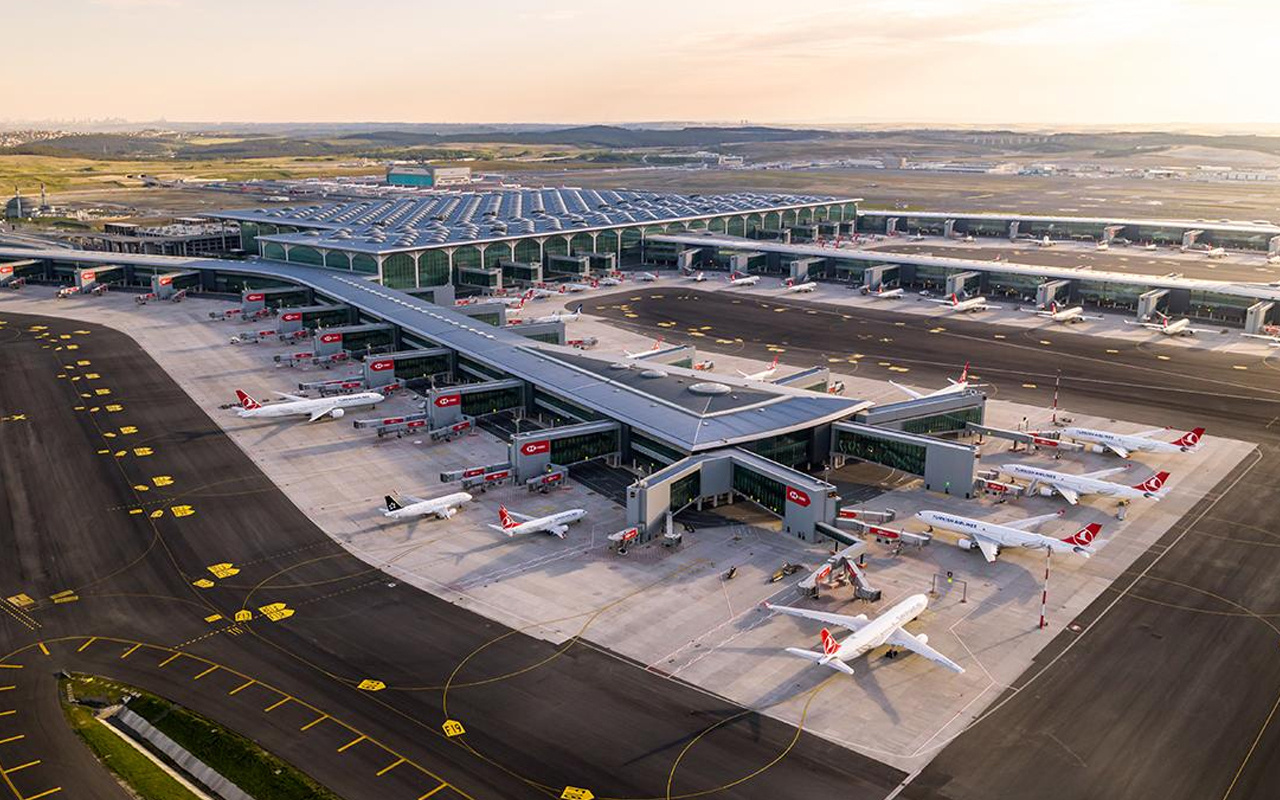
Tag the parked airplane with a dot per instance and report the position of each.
(1046, 242)
(1177, 327)
(314, 409)
(1056, 313)
(559, 316)
(1271, 339)
(1073, 487)
(610, 280)
(1150, 246)
(885, 294)
(1216, 252)
(743, 280)
(990, 537)
(868, 634)
(410, 507)
(657, 345)
(763, 374)
(574, 288)
(556, 524)
(1122, 444)
(969, 304)
(698, 277)
(790, 285)
(953, 387)
(1102, 246)
(647, 277)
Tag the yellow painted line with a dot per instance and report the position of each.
(129, 652)
(7, 688)
(170, 658)
(1113, 352)
(206, 672)
(390, 767)
(1028, 386)
(352, 743)
(1163, 358)
(9, 713)
(44, 649)
(241, 687)
(1238, 366)
(433, 791)
(275, 705)
(43, 794)
(90, 641)
(314, 722)
(13, 738)
(12, 770)
(10, 666)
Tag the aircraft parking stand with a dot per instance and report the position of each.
(670, 608)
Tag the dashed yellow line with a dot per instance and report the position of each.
(88, 642)
(7, 688)
(13, 738)
(43, 649)
(275, 705)
(43, 794)
(167, 660)
(202, 674)
(129, 652)
(241, 687)
(8, 713)
(12, 770)
(352, 743)
(389, 767)
(314, 722)
(433, 791)
(10, 666)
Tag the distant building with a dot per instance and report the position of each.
(188, 236)
(428, 177)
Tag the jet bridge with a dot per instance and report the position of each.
(407, 365)
(1051, 292)
(960, 283)
(350, 338)
(253, 301)
(297, 318)
(532, 453)
(450, 404)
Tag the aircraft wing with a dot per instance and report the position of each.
(1117, 449)
(1102, 473)
(1030, 522)
(1068, 494)
(912, 393)
(987, 547)
(817, 657)
(850, 623)
(905, 640)
(558, 530)
(989, 307)
(521, 517)
(315, 415)
(1150, 433)
(288, 396)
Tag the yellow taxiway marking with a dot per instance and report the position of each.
(1163, 358)
(18, 737)
(170, 658)
(8, 713)
(1045, 342)
(241, 687)
(1113, 352)
(10, 666)
(352, 743)
(390, 767)
(433, 791)
(129, 652)
(1238, 366)
(1028, 386)
(202, 674)
(84, 646)
(43, 794)
(576, 793)
(275, 705)
(43, 649)
(12, 770)
(213, 618)
(314, 722)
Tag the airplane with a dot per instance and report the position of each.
(969, 304)
(1123, 444)
(953, 387)
(514, 303)
(790, 285)
(868, 634)
(647, 277)
(558, 316)
(698, 277)
(989, 537)
(610, 280)
(885, 294)
(443, 507)
(1177, 327)
(763, 374)
(1047, 242)
(1273, 259)
(1216, 252)
(314, 409)
(1102, 246)
(744, 280)
(555, 524)
(574, 288)
(1069, 315)
(657, 345)
(1072, 487)
(1150, 246)
(1272, 340)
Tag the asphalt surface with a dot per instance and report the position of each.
(124, 512)
(1169, 685)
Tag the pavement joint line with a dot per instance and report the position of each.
(206, 672)
(385, 769)
(352, 743)
(275, 705)
(129, 652)
(433, 791)
(241, 687)
(12, 770)
(314, 722)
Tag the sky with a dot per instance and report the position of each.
(988, 62)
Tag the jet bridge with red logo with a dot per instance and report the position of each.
(407, 365)
(534, 453)
(449, 405)
(353, 338)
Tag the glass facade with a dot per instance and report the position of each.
(478, 404)
(898, 455)
(563, 408)
(336, 259)
(529, 251)
(272, 251)
(685, 490)
(482, 371)
(468, 256)
(950, 422)
(363, 262)
(607, 242)
(398, 271)
(656, 450)
(584, 447)
(760, 489)
(306, 255)
(736, 226)
(433, 268)
(789, 449)
(581, 244)
(421, 367)
(555, 246)
(631, 244)
(496, 253)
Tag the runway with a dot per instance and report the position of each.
(1166, 686)
(138, 532)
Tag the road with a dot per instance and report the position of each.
(1169, 686)
(137, 532)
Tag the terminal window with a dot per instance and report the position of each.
(905, 456)
(761, 489)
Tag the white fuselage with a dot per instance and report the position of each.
(1072, 314)
(876, 632)
(972, 304)
(305, 408)
(751, 280)
(802, 287)
(1076, 483)
(1175, 328)
(557, 317)
(1217, 252)
(548, 523)
(1001, 535)
(1134, 444)
(443, 507)
(887, 294)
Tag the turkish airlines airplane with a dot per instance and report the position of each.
(698, 277)
(743, 280)
(410, 507)
(657, 345)
(1073, 487)
(314, 409)
(1122, 444)
(968, 305)
(1177, 327)
(555, 524)
(763, 374)
(886, 294)
(790, 285)
(610, 280)
(574, 288)
(1055, 313)
(647, 277)
(989, 537)
(1272, 340)
(953, 387)
(1046, 242)
(1216, 252)
(559, 316)
(868, 634)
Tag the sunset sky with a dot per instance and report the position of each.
(821, 61)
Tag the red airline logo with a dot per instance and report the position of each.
(798, 497)
(330, 338)
(446, 400)
(471, 473)
(88, 276)
(257, 297)
(461, 426)
(292, 316)
(382, 366)
(165, 280)
(417, 423)
(392, 420)
(534, 448)
(497, 476)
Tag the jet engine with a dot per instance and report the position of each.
(338, 413)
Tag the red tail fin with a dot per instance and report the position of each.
(773, 363)
(964, 376)
(1153, 484)
(829, 643)
(246, 401)
(1085, 535)
(505, 518)
(954, 300)
(1191, 438)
